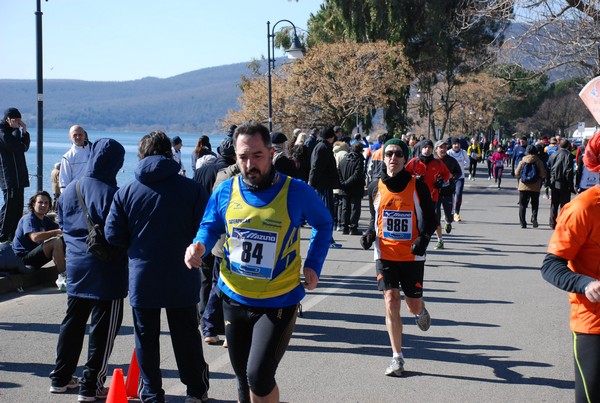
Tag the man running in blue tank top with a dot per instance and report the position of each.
(260, 213)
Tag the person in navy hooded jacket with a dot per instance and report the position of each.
(156, 217)
(94, 287)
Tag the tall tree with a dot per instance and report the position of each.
(330, 85)
(560, 110)
(434, 40)
(468, 108)
(527, 90)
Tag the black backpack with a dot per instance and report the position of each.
(529, 173)
(95, 239)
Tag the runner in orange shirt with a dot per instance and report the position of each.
(402, 221)
(572, 264)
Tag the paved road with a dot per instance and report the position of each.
(499, 333)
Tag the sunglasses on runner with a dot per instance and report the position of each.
(390, 154)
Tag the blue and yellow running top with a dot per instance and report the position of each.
(262, 260)
(262, 248)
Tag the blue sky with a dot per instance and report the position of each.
(117, 40)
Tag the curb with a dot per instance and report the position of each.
(19, 281)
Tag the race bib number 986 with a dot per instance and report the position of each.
(252, 252)
(397, 225)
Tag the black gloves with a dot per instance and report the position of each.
(438, 184)
(419, 246)
(367, 239)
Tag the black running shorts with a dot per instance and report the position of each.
(36, 257)
(409, 275)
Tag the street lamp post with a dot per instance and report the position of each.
(296, 51)
(472, 119)
(427, 100)
(40, 97)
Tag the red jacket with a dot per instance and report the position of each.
(431, 172)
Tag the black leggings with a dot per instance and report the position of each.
(472, 166)
(586, 351)
(257, 339)
(498, 170)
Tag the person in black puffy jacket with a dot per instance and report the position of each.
(14, 178)
(352, 183)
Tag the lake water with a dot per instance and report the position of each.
(57, 142)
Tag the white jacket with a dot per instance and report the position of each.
(73, 163)
(463, 160)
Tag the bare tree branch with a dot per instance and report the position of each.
(544, 35)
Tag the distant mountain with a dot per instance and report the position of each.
(193, 102)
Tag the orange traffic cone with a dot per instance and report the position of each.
(116, 392)
(133, 376)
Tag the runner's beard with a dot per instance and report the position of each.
(259, 181)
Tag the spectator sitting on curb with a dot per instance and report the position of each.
(38, 238)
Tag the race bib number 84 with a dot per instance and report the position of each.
(397, 225)
(252, 252)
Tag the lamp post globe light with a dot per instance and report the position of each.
(296, 51)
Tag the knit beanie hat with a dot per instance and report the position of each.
(226, 148)
(327, 132)
(427, 142)
(397, 142)
(12, 113)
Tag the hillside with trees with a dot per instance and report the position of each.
(194, 102)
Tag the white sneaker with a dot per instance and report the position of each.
(61, 282)
(101, 393)
(396, 367)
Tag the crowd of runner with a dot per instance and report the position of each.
(233, 231)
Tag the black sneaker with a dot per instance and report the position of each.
(194, 399)
(72, 384)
